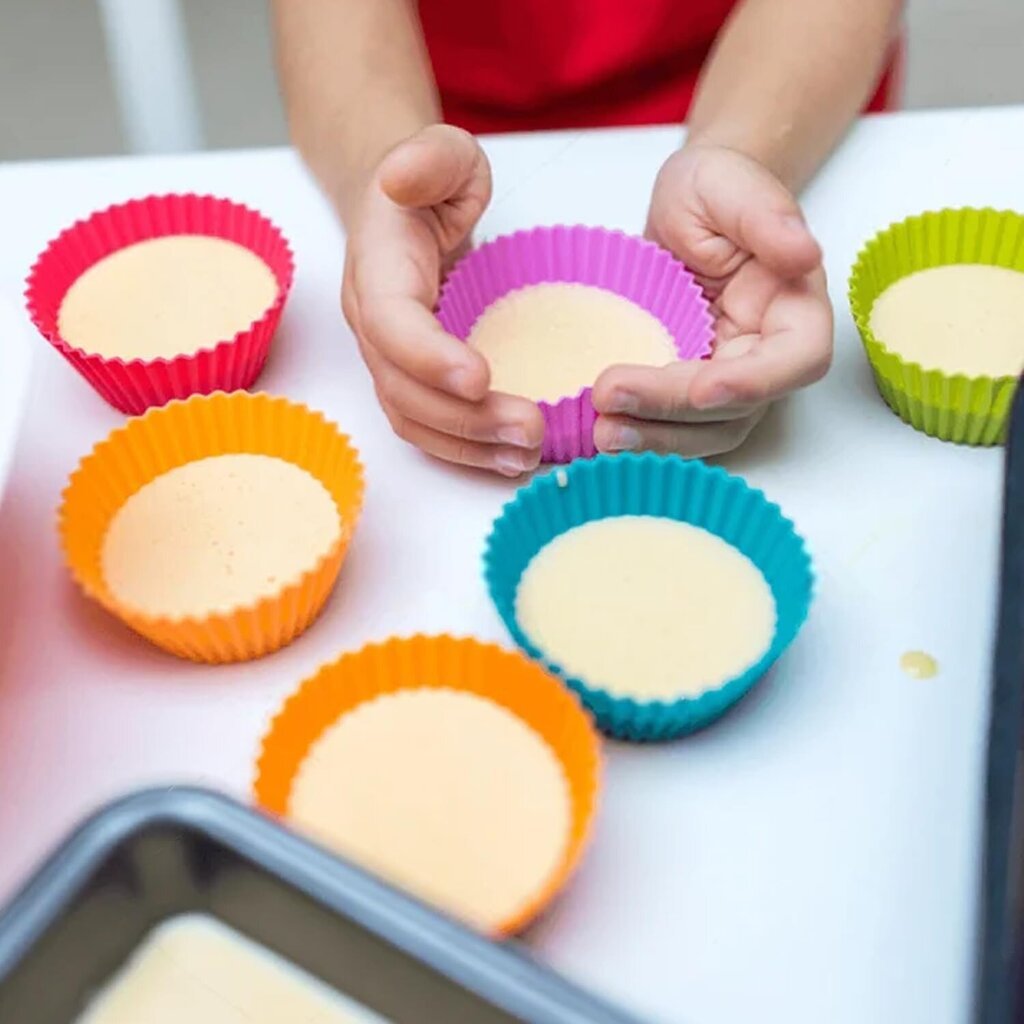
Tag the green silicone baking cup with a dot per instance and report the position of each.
(966, 410)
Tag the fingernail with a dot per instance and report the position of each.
(794, 222)
(509, 464)
(623, 439)
(513, 435)
(718, 396)
(623, 402)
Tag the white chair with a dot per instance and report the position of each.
(149, 60)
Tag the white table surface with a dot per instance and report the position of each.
(813, 857)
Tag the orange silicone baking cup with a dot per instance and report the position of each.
(442, 662)
(196, 428)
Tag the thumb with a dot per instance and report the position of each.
(781, 241)
(754, 210)
(436, 164)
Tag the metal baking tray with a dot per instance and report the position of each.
(163, 853)
(1000, 969)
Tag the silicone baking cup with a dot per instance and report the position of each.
(133, 385)
(952, 407)
(441, 662)
(182, 432)
(631, 267)
(651, 485)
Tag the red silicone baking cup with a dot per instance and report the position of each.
(634, 268)
(134, 385)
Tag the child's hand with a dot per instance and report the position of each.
(416, 217)
(739, 229)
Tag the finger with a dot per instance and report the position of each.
(442, 178)
(691, 440)
(407, 334)
(433, 166)
(731, 212)
(657, 393)
(510, 462)
(350, 298)
(498, 419)
(742, 304)
(394, 285)
(760, 214)
(793, 351)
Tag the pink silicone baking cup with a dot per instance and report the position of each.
(634, 268)
(134, 385)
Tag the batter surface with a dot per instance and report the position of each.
(548, 341)
(217, 533)
(443, 793)
(195, 970)
(166, 297)
(962, 318)
(646, 607)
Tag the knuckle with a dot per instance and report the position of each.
(821, 363)
(721, 438)
(400, 424)
(462, 425)
(662, 441)
(463, 452)
(751, 391)
(350, 294)
(364, 352)
(734, 434)
(603, 433)
(719, 445)
(384, 384)
(349, 306)
(373, 322)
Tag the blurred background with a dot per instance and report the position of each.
(59, 65)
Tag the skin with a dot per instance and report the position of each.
(365, 114)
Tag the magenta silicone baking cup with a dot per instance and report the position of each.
(634, 268)
(134, 385)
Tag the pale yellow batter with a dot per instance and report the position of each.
(919, 665)
(195, 970)
(962, 318)
(166, 297)
(443, 793)
(548, 341)
(217, 533)
(646, 607)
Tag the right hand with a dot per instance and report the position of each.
(415, 219)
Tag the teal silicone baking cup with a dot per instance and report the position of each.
(673, 488)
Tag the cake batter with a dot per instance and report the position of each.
(166, 297)
(961, 318)
(195, 970)
(549, 341)
(443, 793)
(217, 534)
(646, 607)
(919, 665)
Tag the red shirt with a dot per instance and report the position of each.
(511, 65)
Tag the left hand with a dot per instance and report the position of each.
(738, 228)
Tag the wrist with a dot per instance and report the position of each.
(708, 140)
